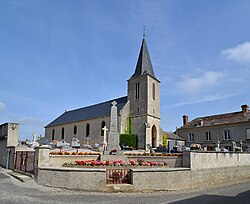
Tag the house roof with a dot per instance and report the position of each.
(221, 119)
(90, 112)
(144, 65)
(173, 136)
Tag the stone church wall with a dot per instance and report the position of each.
(95, 131)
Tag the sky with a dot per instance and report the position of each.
(58, 55)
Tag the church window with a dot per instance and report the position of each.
(138, 110)
(87, 130)
(153, 91)
(75, 130)
(102, 131)
(137, 90)
(53, 134)
(62, 133)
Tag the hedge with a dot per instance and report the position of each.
(129, 140)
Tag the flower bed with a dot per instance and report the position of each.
(75, 153)
(98, 163)
(155, 154)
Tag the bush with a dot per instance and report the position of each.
(129, 140)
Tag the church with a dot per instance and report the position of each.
(141, 107)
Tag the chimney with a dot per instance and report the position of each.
(244, 108)
(185, 119)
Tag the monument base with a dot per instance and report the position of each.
(113, 141)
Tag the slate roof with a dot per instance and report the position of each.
(144, 65)
(173, 136)
(221, 119)
(90, 112)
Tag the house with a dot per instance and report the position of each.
(224, 130)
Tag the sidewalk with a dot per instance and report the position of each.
(19, 176)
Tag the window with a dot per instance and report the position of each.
(75, 130)
(191, 137)
(53, 134)
(153, 91)
(137, 90)
(208, 136)
(102, 131)
(138, 110)
(248, 133)
(62, 133)
(227, 135)
(87, 130)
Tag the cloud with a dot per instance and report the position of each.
(240, 53)
(2, 106)
(214, 97)
(194, 85)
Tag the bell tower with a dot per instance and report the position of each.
(144, 97)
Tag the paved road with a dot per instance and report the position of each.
(14, 191)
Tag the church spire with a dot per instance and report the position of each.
(144, 65)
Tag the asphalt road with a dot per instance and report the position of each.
(14, 191)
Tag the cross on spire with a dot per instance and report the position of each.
(144, 31)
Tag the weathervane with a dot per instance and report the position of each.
(144, 31)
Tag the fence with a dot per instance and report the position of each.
(118, 176)
(24, 161)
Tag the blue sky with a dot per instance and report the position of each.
(58, 55)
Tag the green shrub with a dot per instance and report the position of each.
(129, 140)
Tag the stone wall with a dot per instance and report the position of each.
(170, 161)
(181, 179)
(72, 178)
(59, 160)
(95, 131)
(207, 160)
(3, 151)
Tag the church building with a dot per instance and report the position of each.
(141, 106)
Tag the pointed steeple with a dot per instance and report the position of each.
(144, 65)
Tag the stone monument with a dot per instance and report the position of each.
(113, 138)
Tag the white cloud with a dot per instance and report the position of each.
(2, 106)
(196, 84)
(207, 98)
(240, 53)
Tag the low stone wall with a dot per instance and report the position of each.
(207, 160)
(72, 178)
(180, 179)
(59, 160)
(171, 161)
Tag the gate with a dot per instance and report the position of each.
(24, 161)
(118, 176)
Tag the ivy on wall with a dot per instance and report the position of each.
(129, 139)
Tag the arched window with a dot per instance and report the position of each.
(102, 131)
(87, 130)
(75, 130)
(153, 91)
(137, 90)
(53, 134)
(62, 133)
